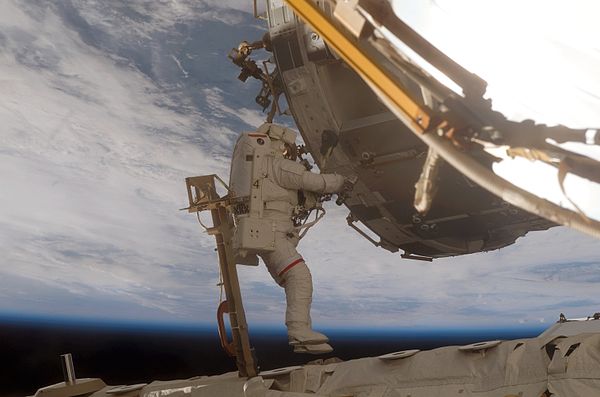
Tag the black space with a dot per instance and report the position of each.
(30, 351)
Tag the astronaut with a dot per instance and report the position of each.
(281, 178)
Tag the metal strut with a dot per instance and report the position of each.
(203, 196)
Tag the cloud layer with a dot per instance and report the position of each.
(107, 107)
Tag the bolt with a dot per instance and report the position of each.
(314, 36)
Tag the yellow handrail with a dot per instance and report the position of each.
(360, 62)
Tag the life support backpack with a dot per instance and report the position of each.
(249, 168)
(251, 162)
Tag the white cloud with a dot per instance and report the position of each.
(93, 155)
(93, 175)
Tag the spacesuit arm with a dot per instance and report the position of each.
(292, 175)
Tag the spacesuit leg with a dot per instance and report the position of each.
(298, 291)
(297, 283)
(289, 271)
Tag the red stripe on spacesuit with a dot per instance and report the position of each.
(291, 265)
(257, 135)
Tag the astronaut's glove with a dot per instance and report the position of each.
(346, 190)
(349, 184)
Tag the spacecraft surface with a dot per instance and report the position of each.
(563, 361)
(325, 94)
(406, 198)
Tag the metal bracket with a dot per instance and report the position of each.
(346, 13)
(256, 14)
(351, 220)
(408, 255)
(426, 186)
(202, 193)
(383, 243)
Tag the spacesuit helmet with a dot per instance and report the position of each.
(283, 140)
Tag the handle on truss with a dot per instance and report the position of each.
(228, 346)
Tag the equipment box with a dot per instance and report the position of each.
(254, 234)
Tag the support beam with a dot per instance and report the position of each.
(203, 196)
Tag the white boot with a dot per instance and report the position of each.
(298, 292)
(322, 348)
(306, 337)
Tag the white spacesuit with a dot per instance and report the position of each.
(260, 171)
